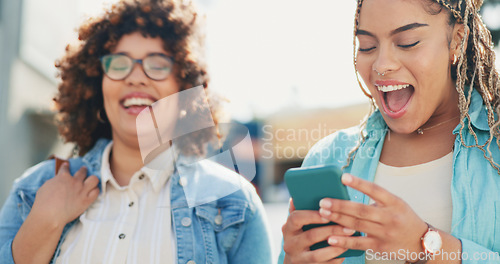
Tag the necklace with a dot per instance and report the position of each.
(420, 131)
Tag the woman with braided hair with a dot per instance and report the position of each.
(423, 170)
(110, 205)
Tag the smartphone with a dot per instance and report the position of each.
(308, 185)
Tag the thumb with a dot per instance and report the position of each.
(291, 207)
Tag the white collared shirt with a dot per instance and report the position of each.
(126, 224)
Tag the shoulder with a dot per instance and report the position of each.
(37, 175)
(334, 148)
(242, 202)
(213, 183)
(248, 194)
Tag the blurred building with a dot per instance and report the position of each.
(287, 136)
(27, 133)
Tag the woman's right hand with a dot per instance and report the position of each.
(297, 242)
(58, 201)
(63, 198)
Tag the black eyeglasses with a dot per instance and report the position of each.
(156, 66)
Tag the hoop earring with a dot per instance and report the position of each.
(99, 117)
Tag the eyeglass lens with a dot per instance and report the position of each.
(119, 66)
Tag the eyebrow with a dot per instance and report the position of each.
(395, 31)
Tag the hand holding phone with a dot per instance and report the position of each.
(307, 186)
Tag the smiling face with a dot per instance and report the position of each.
(124, 99)
(404, 59)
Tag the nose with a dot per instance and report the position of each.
(386, 61)
(137, 77)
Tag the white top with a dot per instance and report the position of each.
(126, 224)
(425, 187)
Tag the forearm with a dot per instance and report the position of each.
(36, 240)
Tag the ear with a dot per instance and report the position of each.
(457, 37)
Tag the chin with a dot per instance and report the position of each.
(400, 128)
(127, 133)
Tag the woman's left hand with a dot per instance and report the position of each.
(390, 224)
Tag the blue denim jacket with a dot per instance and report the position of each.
(475, 186)
(241, 237)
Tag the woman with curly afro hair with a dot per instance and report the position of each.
(109, 204)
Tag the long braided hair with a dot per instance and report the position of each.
(475, 68)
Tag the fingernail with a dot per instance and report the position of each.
(332, 241)
(325, 203)
(325, 220)
(346, 178)
(324, 212)
(348, 230)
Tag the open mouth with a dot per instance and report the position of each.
(396, 98)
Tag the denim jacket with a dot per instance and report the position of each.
(240, 236)
(475, 186)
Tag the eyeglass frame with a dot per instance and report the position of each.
(139, 61)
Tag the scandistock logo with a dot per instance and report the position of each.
(173, 123)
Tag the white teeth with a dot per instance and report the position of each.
(137, 102)
(390, 88)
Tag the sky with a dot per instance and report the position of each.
(274, 54)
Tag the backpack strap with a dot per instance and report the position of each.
(58, 163)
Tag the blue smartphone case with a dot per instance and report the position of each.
(307, 186)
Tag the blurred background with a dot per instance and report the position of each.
(285, 66)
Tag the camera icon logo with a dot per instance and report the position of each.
(177, 122)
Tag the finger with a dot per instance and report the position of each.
(90, 183)
(357, 224)
(318, 234)
(358, 210)
(63, 170)
(359, 242)
(371, 189)
(92, 195)
(322, 255)
(303, 241)
(291, 206)
(336, 261)
(296, 240)
(81, 174)
(299, 218)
